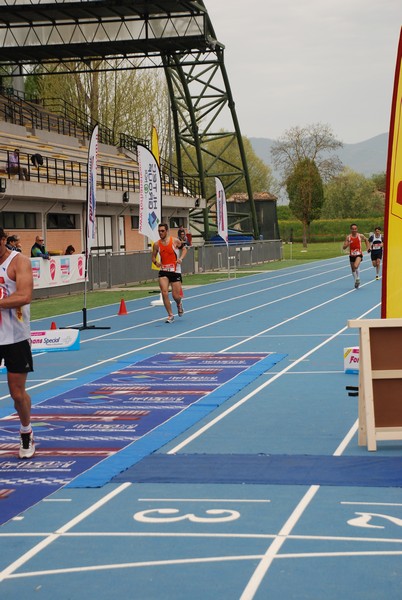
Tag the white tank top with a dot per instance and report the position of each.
(14, 322)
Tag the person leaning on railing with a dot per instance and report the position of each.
(38, 250)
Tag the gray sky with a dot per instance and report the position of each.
(293, 62)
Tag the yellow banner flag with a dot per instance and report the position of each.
(155, 144)
(391, 305)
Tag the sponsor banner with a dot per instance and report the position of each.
(150, 209)
(221, 210)
(80, 428)
(391, 306)
(59, 270)
(91, 189)
(351, 360)
(55, 340)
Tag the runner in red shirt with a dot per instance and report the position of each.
(171, 253)
(354, 243)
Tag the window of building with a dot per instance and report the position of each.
(177, 222)
(62, 221)
(135, 222)
(11, 220)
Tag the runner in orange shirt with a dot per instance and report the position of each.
(354, 243)
(171, 255)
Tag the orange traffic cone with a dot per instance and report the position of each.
(123, 308)
(53, 325)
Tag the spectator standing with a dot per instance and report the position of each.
(69, 250)
(14, 167)
(16, 286)
(39, 249)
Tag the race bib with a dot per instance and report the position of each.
(169, 268)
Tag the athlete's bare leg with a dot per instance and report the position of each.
(164, 287)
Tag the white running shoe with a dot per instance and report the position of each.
(357, 283)
(27, 445)
(170, 319)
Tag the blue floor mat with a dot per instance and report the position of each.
(88, 434)
(370, 471)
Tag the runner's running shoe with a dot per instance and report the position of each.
(170, 319)
(27, 445)
(357, 283)
(180, 309)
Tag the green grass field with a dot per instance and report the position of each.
(292, 254)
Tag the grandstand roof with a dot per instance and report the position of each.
(48, 31)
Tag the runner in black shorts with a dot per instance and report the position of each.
(171, 253)
(17, 357)
(16, 285)
(376, 245)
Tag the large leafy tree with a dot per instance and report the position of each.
(306, 193)
(351, 195)
(315, 142)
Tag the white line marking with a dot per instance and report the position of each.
(179, 335)
(256, 391)
(373, 503)
(125, 534)
(132, 565)
(272, 551)
(8, 571)
(57, 500)
(198, 500)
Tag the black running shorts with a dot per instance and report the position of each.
(171, 275)
(17, 357)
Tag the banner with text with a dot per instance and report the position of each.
(150, 210)
(392, 267)
(59, 270)
(221, 210)
(91, 190)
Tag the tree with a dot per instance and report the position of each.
(315, 142)
(260, 174)
(351, 195)
(306, 193)
(380, 180)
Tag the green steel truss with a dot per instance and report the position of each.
(176, 35)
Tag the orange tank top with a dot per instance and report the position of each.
(168, 257)
(355, 247)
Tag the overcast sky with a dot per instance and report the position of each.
(294, 62)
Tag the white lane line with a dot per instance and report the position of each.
(133, 565)
(225, 301)
(200, 500)
(182, 534)
(373, 503)
(8, 571)
(258, 390)
(272, 551)
(168, 339)
(277, 275)
(269, 288)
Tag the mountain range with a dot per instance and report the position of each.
(368, 157)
